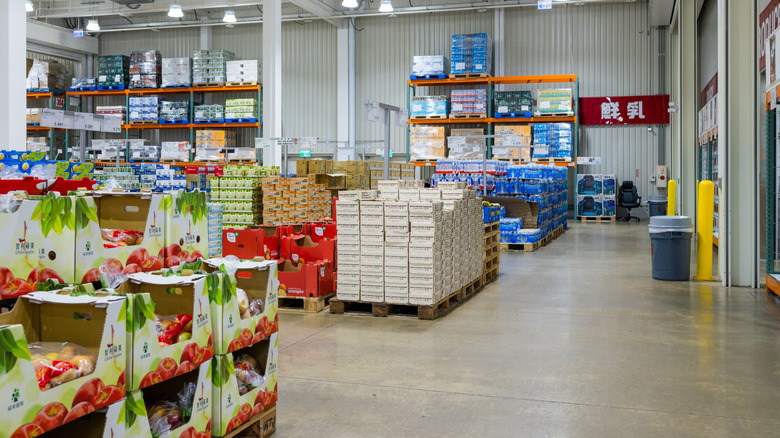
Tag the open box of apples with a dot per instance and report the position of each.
(244, 383)
(169, 325)
(64, 357)
(245, 309)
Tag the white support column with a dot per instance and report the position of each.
(13, 99)
(345, 85)
(499, 43)
(737, 160)
(272, 78)
(688, 109)
(205, 38)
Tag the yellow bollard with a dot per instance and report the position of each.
(704, 224)
(671, 206)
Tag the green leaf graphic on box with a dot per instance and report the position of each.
(135, 408)
(11, 350)
(215, 375)
(36, 214)
(122, 312)
(121, 417)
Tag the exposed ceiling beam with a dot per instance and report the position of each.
(53, 36)
(101, 8)
(321, 10)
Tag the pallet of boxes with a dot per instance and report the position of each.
(398, 248)
(293, 199)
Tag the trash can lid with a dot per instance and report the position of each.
(671, 223)
(657, 199)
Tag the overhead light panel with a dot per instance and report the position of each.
(175, 11)
(385, 6)
(230, 16)
(28, 6)
(92, 25)
(349, 4)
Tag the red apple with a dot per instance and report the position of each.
(170, 250)
(91, 276)
(111, 266)
(29, 430)
(189, 354)
(211, 341)
(5, 275)
(15, 288)
(258, 337)
(189, 432)
(79, 410)
(43, 275)
(244, 412)
(203, 435)
(108, 395)
(171, 261)
(51, 416)
(183, 256)
(246, 337)
(121, 381)
(207, 353)
(234, 423)
(131, 269)
(194, 256)
(184, 368)
(151, 263)
(89, 390)
(150, 379)
(257, 409)
(208, 427)
(235, 344)
(272, 328)
(260, 398)
(137, 257)
(167, 368)
(262, 325)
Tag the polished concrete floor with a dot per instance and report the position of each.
(575, 339)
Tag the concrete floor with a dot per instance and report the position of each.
(575, 339)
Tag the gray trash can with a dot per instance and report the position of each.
(657, 205)
(670, 243)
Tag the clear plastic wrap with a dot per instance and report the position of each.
(9, 203)
(172, 329)
(44, 171)
(248, 308)
(186, 398)
(112, 184)
(56, 363)
(248, 374)
(165, 416)
(10, 172)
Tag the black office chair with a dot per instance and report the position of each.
(628, 199)
(588, 206)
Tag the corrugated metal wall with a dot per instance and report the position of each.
(383, 59)
(609, 49)
(309, 67)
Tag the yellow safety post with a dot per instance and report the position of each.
(704, 223)
(671, 206)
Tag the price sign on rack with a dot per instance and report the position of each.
(111, 124)
(85, 121)
(52, 118)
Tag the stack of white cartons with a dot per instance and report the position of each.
(402, 247)
(243, 71)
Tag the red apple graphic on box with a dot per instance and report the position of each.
(189, 432)
(137, 257)
(244, 412)
(89, 391)
(234, 423)
(51, 416)
(167, 368)
(28, 430)
(79, 410)
(150, 379)
(108, 395)
(184, 368)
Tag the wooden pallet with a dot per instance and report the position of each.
(436, 116)
(597, 219)
(530, 247)
(144, 122)
(305, 304)
(261, 425)
(468, 116)
(209, 84)
(560, 114)
(469, 75)
(427, 312)
(490, 275)
(491, 227)
(240, 84)
(491, 240)
(492, 260)
(432, 162)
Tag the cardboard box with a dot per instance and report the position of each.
(146, 213)
(588, 184)
(295, 248)
(311, 279)
(107, 423)
(47, 317)
(348, 291)
(409, 195)
(230, 409)
(232, 329)
(587, 205)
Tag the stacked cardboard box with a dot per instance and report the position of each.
(144, 109)
(216, 210)
(406, 244)
(209, 144)
(175, 111)
(209, 113)
(554, 101)
(398, 171)
(596, 195)
(427, 106)
(113, 70)
(469, 102)
(356, 172)
(117, 111)
(427, 142)
(208, 66)
(176, 72)
(48, 75)
(473, 147)
(553, 140)
(509, 148)
(317, 166)
(83, 83)
(429, 65)
(294, 199)
(519, 103)
(240, 109)
(145, 69)
(471, 54)
(243, 71)
(241, 197)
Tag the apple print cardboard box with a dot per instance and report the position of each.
(37, 242)
(178, 301)
(235, 324)
(187, 228)
(119, 420)
(231, 409)
(125, 233)
(35, 403)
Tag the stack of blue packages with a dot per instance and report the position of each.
(471, 54)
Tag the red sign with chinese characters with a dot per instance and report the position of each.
(624, 110)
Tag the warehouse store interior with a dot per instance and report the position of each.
(241, 218)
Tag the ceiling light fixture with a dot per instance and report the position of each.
(28, 6)
(175, 11)
(93, 25)
(481, 10)
(385, 6)
(230, 16)
(349, 4)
